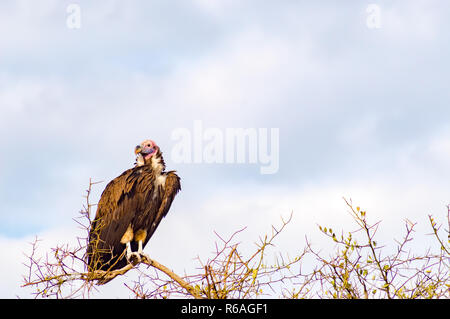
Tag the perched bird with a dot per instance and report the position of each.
(130, 209)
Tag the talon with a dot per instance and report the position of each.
(137, 256)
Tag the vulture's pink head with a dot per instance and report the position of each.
(145, 151)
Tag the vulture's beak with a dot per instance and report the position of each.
(138, 149)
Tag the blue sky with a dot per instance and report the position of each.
(362, 113)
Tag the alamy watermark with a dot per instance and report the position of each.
(373, 20)
(230, 146)
(73, 20)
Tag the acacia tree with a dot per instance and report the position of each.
(358, 268)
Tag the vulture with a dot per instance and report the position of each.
(130, 209)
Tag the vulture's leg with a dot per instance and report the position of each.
(135, 257)
(141, 252)
(129, 252)
(133, 254)
(140, 237)
(139, 247)
(126, 239)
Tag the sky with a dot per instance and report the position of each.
(359, 98)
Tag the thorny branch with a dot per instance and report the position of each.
(358, 268)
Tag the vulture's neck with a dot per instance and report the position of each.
(157, 163)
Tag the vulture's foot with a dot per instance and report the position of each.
(137, 256)
(134, 258)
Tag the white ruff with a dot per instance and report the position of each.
(157, 165)
(160, 177)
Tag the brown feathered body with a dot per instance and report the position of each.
(130, 209)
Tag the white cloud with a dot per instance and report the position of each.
(217, 9)
(414, 20)
(439, 148)
(251, 69)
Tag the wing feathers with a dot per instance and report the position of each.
(129, 199)
(121, 199)
(171, 188)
